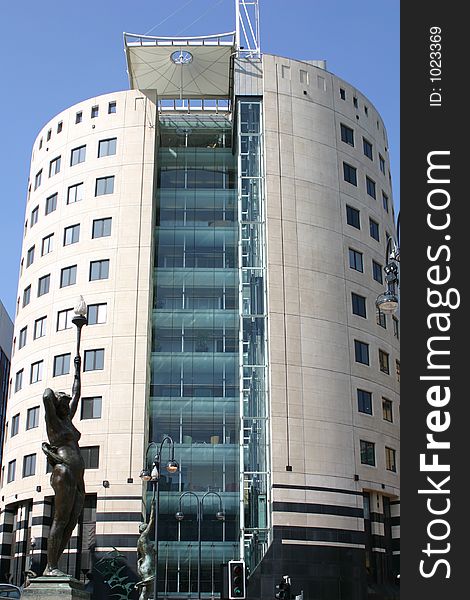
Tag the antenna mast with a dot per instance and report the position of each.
(247, 28)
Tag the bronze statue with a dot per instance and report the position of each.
(63, 454)
(146, 554)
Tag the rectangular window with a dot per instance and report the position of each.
(91, 408)
(64, 319)
(15, 425)
(355, 102)
(34, 216)
(71, 235)
(101, 228)
(43, 285)
(11, 471)
(32, 417)
(353, 217)
(78, 117)
(367, 453)
(97, 314)
(36, 371)
(75, 193)
(382, 163)
(374, 229)
(26, 296)
(385, 201)
(370, 187)
(397, 369)
(61, 365)
(68, 276)
(49, 134)
(104, 186)
(91, 456)
(60, 125)
(107, 147)
(387, 410)
(94, 111)
(358, 305)
(22, 337)
(29, 465)
(381, 319)
(367, 148)
(37, 179)
(356, 260)
(342, 94)
(40, 327)
(350, 174)
(54, 166)
(94, 360)
(99, 269)
(390, 459)
(47, 244)
(377, 271)
(361, 350)
(347, 135)
(78, 155)
(396, 327)
(366, 110)
(111, 108)
(364, 402)
(30, 257)
(19, 380)
(384, 362)
(51, 203)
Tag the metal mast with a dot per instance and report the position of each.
(247, 28)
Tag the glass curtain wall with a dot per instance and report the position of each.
(195, 391)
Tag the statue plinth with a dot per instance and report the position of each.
(55, 588)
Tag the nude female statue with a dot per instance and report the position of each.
(63, 454)
(146, 553)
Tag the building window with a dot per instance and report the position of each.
(51, 204)
(49, 135)
(19, 380)
(111, 108)
(26, 296)
(11, 471)
(374, 229)
(40, 144)
(381, 319)
(361, 350)
(78, 155)
(99, 269)
(71, 235)
(390, 459)
(54, 166)
(370, 187)
(34, 216)
(47, 244)
(91, 408)
(353, 217)
(30, 257)
(358, 305)
(94, 111)
(397, 369)
(97, 314)
(75, 193)
(61, 365)
(396, 327)
(37, 179)
(32, 417)
(107, 147)
(29, 465)
(59, 126)
(94, 360)
(78, 117)
(367, 453)
(367, 148)
(68, 276)
(377, 271)
(91, 456)
(342, 93)
(385, 201)
(101, 228)
(384, 362)
(387, 410)
(104, 186)
(355, 260)
(350, 174)
(347, 134)
(36, 371)
(40, 327)
(43, 285)
(15, 425)
(22, 337)
(64, 319)
(364, 402)
(382, 163)
(366, 110)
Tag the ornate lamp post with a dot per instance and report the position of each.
(388, 301)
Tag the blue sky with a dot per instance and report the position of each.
(57, 53)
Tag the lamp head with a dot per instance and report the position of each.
(145, 475)
(387, 302)
(220, 515)
(179, 516)
(80, 309)
(172, 466)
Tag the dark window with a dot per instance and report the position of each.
(342, 93)
(29, 465)
(79, 117)
(94, 111)
(54, 166)
(396, 327)
(11, 471)
(75, 193)
(36, 371)
(51, 204)
(37, 179)
(49, 134)
(91, 408)
(15, 425)
(384, 362)
(34, 216)
(347, 134)
(43, 285)
(40, 327)
(385, 201)
(366, 110)
(390, 459)
(355, 260)
(101, 228)
(97, 314)
(381, 319)
(104, 186)
(358, 305)
(78, 155)
(353, 217)
(47, 244)
(68, 276)
(350, 174)
(26, 296)
(374, 229)
(61, 365)
(111, 108)
(107, 147)
(377, 271)
(361, 350)
(364, 402)
(19, 380)
(397, 369)
(59, 126)
(387, 410)
(367, 453)
(94, 360)
(22, 337)
(91, 456)
(355, 102)
(30, 257)
(71, 235)
(64, 319)
(32, 417)
(367, 148)
(382, 163)
(99, 269)
(370, 187)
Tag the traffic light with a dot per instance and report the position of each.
(283, 589)
(236, 580)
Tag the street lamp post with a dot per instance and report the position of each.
(388, 301)
(154, 475)
(199, 515)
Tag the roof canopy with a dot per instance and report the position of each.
(192, 67)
